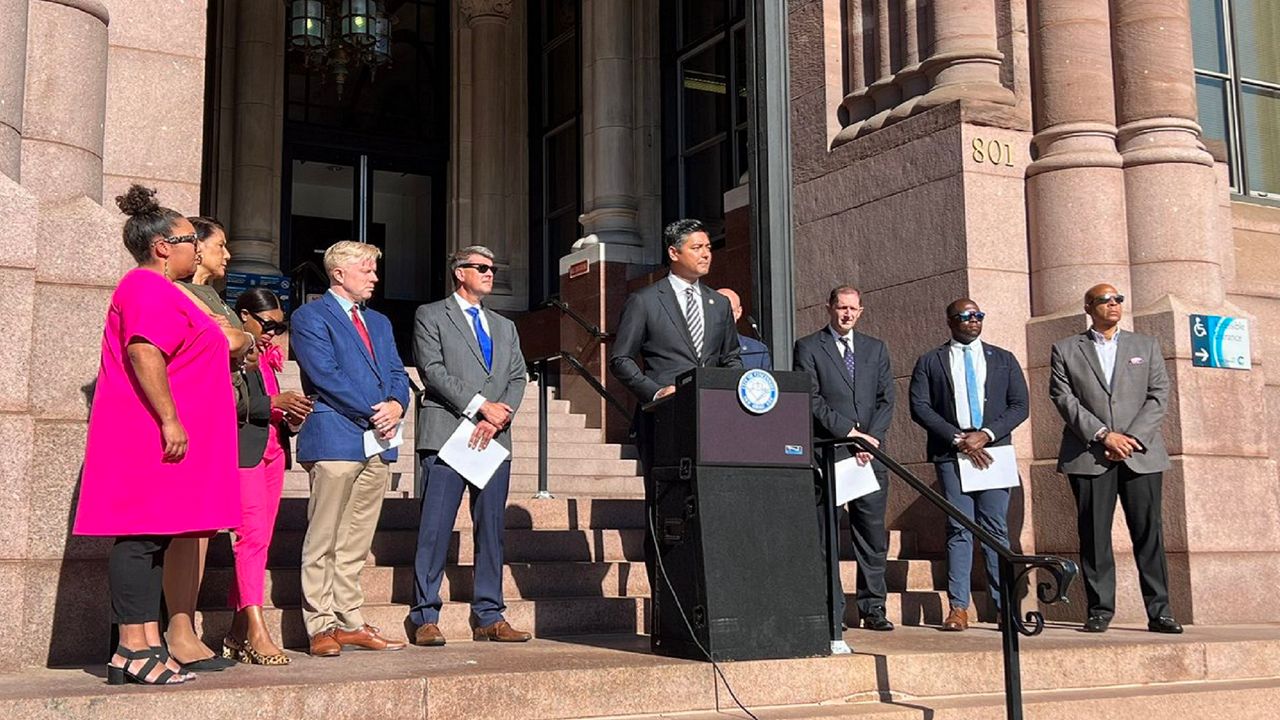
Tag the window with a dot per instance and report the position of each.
(1237, 59)
(704, 108)
(555, 145)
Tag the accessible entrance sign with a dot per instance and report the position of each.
(1220, 342)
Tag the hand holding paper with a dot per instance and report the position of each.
(1002, 472)
(476, 464)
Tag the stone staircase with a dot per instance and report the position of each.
(574, 564)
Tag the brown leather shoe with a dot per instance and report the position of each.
(367, 638)
(500, 631)
(956, 621)
(428, 635)
(325, 645)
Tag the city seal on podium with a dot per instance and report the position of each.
(757, 391)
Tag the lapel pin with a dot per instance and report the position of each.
(710, 301)
(1135, 361)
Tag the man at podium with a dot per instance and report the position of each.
(672, 326)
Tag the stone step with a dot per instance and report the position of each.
(914, 583)
(585, 451)
(1221, 672)
(556, 617)
(579, 485)
(397, 547)
(563, 479)
(565, 513)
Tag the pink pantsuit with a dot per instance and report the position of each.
(260, 489)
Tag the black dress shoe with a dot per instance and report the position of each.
(1165, 624)
(877, 621)
(1096, 624)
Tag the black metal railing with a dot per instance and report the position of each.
(538, 368)
(1014, 567)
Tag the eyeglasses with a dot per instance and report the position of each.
(1106, 299)
(180, 239)
(968, 315)
(481, 268)
(270, 326)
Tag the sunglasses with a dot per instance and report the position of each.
(1106, 300)
(270, 326)
(180, 239)
(482, 268)
(968, 315)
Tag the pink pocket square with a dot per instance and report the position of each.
(1136, 361)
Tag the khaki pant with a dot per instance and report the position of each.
(342, 515)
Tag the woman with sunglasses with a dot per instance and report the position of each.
(162, 422)
(185, 558)
(271, 416)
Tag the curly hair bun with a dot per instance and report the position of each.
(138, 200)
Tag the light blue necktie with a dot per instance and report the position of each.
(971, 385)
(486, 343)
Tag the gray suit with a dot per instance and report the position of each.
(1133, 403)
(453, 372)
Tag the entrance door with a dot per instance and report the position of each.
(395, 206)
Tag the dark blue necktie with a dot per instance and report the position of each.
(486, 342)
(850, 364)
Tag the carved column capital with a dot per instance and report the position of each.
(480, 11)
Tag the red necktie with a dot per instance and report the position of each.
(361, 329)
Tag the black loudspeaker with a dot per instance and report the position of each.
(747, 591)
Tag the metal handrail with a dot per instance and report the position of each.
(1061, 570)
(539, 369)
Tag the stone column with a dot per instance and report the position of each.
(1216, 425)
(13, 74)
(1075, 189)
(962, 57)
(1076, 231)
(610, 193)
(1168, 173)
(487, 20)
(253, 247)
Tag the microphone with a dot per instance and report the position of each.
(755, 328)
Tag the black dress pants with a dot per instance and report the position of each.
(135, 570)
(1139, 495)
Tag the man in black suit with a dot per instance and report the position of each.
(853, 397)
(673, 325)
(676, 323)
(968, 395)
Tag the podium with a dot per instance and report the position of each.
(739, 564)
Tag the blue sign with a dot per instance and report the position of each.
(239, 282)
(1220, 342)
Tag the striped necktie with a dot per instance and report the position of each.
(693, 316)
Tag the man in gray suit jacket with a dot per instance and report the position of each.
(471, 366)
(1111, 388)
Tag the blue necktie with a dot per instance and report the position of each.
(486, 342)
(971, 385)
(850, 363)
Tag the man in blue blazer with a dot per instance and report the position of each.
(968, 395)
(853, 397)
(351, 367)
(754, 353)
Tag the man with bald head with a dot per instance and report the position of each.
(1111, 388)
(968, 395)
(754, 353)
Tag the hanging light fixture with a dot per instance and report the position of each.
(340, 36)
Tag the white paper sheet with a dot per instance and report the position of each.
(475, 466)
(374, 445)
(853, 480)
(1003, 472)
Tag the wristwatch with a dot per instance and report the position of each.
(1102, 434)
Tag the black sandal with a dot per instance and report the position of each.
(162, 653)
(121, 675)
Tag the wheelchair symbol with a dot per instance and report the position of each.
(1198, 329)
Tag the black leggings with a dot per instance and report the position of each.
(136, 573)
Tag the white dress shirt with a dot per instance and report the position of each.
(473, 407)
(961, 390)
(680, 286)
(844, 343)
(1106, 350)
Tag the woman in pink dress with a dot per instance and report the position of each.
(162, 427)
(269, 417)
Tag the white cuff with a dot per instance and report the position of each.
(989, 434)
(473, 407)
